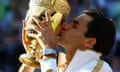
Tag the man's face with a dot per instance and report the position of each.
(73, 34)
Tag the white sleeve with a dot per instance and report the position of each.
(49, 64)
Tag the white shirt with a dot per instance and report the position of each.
(83, 61)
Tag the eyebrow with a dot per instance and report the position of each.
(76, 22)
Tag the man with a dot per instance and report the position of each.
(88, 37)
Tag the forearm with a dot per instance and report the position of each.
(25, 68)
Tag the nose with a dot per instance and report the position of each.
(67, 26)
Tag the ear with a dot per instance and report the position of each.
(90, 42)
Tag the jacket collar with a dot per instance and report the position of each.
(81, 58)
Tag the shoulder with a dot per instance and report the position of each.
(89, 67)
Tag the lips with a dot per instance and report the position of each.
(60, 33)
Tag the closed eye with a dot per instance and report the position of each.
(75, 23)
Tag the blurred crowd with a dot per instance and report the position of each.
(12, 12)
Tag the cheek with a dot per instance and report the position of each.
(68, 37)
(82, 41)
(72, 35)
(82, 29)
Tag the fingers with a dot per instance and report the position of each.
(47, 16)
(48, 19)
(49, 24)
(41, 24)
(38, 22)
(32, 35)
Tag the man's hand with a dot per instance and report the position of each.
(43, 32)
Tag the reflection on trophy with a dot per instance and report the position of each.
(58, 9)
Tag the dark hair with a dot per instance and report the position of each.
(103, 29)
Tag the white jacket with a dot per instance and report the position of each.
(83, 61)
(86, 61)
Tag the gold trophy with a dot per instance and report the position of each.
(58, 10)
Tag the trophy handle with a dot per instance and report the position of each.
(29, 58)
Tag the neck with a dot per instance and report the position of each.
(69, 54)
(70, 51)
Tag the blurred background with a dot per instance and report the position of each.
(12, 12)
